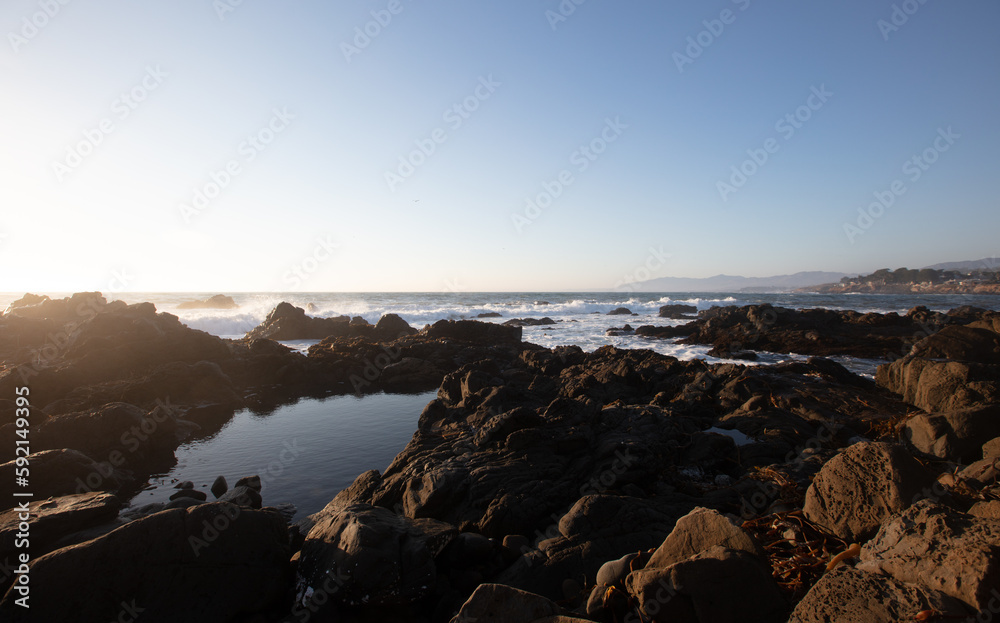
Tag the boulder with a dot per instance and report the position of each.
(960, 343)
(287, 322)
(956, 368)
(698, 531)
(941, 385)
(718, 584)
(391, 327)
(219, 487)
(953, 435)
(240, 495)
(940, 548)
(213, 562)
(250, 481)
(861, 487)
(496, 603)
(379, 558)
(219, 301)
(678, 311)
(848, 594)
(489, 315)
(620, 311)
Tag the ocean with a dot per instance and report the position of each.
(308, 451)
(581, 317)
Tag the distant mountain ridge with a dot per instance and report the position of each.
(737, 283)
(987, 263)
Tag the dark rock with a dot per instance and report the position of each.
(382, 559)
(287, 322)
(252, 482)
(848, 594)
(953, 435)
(117, 431)
(489, 315)
(243, 496)
(410, 374)
(219, 301)
(956, 368)
(172, 564)
(861, 487)
(220, 486)
(51, 519)
(941, 548)
(194, 494)
(187, 484)
(677, 311)
(698, 531)
(496, 603)
(182, 502)
(717, 585)
(61, 472)
(819, 332)
(529, 322)
(626, 330)
(620, 311)
(391, 326)
(473, 331)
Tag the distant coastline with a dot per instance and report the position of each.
(904, 288)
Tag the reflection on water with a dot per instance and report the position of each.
(305, 453)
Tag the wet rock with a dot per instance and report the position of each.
(940, 548)
(529, 322)
(219, 301)
(620, 311)
(819, 332)
(953, 435)
(863, 486)
(220, 486)
(849, 594)
(194, 494)
(213, 562)
(677, 311)
(473, 331)
(489, 315)
(242, 496)
(252, 482)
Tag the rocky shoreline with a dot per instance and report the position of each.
(540, 485)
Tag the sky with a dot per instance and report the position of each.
(524, 145)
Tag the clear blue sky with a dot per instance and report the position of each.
(314, 208)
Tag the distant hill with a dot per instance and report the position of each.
(736, 283)
(987, 263)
